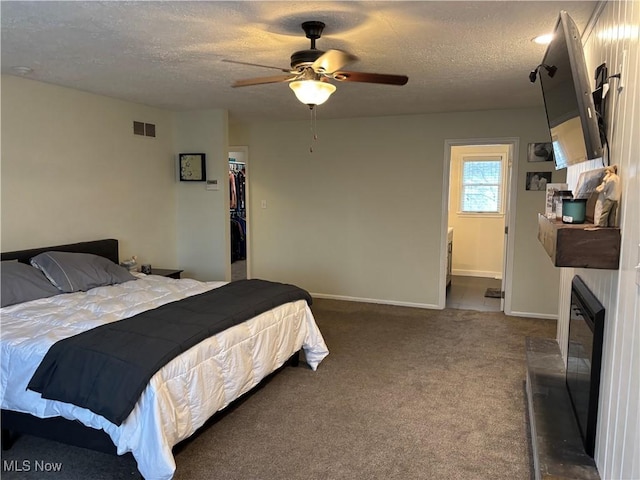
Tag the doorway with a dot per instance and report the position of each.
(476, 222)
(238, 211)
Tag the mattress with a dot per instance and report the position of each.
(184, 393)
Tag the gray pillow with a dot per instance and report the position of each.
(23, 283)
(79, 272)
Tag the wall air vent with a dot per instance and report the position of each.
(144, 129)
(138, 128)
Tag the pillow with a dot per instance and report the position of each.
(23, 283)
(79, 272)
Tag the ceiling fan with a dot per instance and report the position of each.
(312, 69)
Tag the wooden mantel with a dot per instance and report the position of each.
(580, 245)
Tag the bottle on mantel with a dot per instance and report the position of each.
(558, 198)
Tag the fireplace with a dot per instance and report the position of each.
(586, 327)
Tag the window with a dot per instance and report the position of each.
(559, 152)
(481, 185)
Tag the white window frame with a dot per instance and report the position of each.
(503, 178)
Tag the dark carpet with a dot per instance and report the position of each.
(404, 394)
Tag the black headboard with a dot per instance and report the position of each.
(107, 248)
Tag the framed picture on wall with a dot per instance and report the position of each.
(540, 152)
(193, 167)
(538, 180)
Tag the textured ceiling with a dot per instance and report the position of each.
(458, 55)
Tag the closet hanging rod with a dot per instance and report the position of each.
(236, 162)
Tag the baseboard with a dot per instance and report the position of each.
(477, 273)
(376, 300)
(429, 306)
(544, 316)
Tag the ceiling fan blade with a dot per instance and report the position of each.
(332, 60)
(287, 70)
(263, 80)
(371, 78)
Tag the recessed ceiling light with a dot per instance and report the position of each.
(22, 70)
(543, 39)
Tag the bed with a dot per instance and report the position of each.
(179, 398)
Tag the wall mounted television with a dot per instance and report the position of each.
(568, 98)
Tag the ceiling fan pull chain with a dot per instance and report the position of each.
(313, 126)
(311, 130)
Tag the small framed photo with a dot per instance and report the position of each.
(193, 167)
(538, 181)
(540, 152)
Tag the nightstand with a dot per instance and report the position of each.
(166, 273)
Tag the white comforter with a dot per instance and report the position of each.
(184, 393)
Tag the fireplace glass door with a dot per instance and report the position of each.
(586, 325)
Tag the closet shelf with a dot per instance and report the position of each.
(579, 245)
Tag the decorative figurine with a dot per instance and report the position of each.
(130, 264)
(609, 193)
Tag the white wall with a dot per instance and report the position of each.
(360, 217)
(72, 170)
(617, 452)
(203, 245)
(478, 247)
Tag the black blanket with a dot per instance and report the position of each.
(106, 369)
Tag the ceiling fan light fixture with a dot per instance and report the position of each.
(312, 92)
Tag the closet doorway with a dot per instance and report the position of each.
(238, 211)
(477, 197)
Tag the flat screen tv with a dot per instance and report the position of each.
(568, 99)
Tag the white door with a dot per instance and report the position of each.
(505, 255)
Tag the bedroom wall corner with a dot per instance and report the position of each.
(359, 217)
(72, 170)
(535, 279)
(203, 238)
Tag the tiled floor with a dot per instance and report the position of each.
(467, 293)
